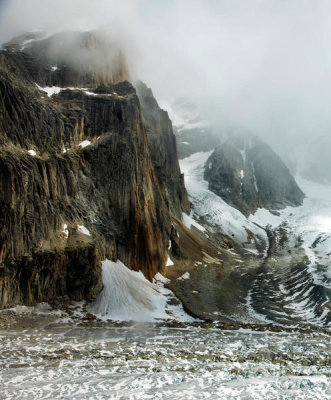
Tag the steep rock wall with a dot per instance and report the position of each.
(65, 207)
(163, 148)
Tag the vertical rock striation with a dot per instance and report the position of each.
(162, 143)
(77, 180)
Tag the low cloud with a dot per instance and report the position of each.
(262, 65)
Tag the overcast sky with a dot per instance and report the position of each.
(261, 64)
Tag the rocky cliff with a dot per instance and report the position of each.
(78, 183)
(248, 174)
(162, 143)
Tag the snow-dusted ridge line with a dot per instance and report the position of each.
(51, 90)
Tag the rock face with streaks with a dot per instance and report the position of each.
(78, 183)
(248, 174)
(162, 143)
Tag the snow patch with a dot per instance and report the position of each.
(54, 68)
(188, 221)
(65, 230)
(213, 208)
(82, 229)
(264, 217)
(169, 262)
(90, 93)
(129, 296)
(254, 178)
(84, 143)
(26, 42)
(184, 277)
(50, 90)
(32, 153)
(158, 278)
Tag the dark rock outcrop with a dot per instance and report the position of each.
(77, 180)
(247, 174)
(162, 143)
(79, 59)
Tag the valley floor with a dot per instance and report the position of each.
(278, 271)
(47, 354)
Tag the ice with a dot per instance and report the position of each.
(150, 361)
(158, 278)
(188, 221)
(32, 153)
(212, 208)
(54, 68)
(85, 231)
(65, 230)
(242, 174)
(185, 276)
(90, 93)
(264, 217)
(50, 90)
(169, 262)
(84, 143)
(310, 222)
(129, 296)
(26, 43)
(254, 178)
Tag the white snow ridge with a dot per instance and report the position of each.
(129, 296)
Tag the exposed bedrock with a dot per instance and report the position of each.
(248, 174)
(77, 180)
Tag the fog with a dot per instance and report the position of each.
(258, 64)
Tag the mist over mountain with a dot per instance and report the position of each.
(165, 217)
(264, 66)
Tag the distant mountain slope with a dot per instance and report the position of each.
(248, 174)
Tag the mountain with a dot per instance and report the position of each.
(80, 176)
(248, 175)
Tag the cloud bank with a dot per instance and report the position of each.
(261, 64)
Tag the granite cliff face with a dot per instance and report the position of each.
(247, 174)
(162, 143)
(78, 182)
